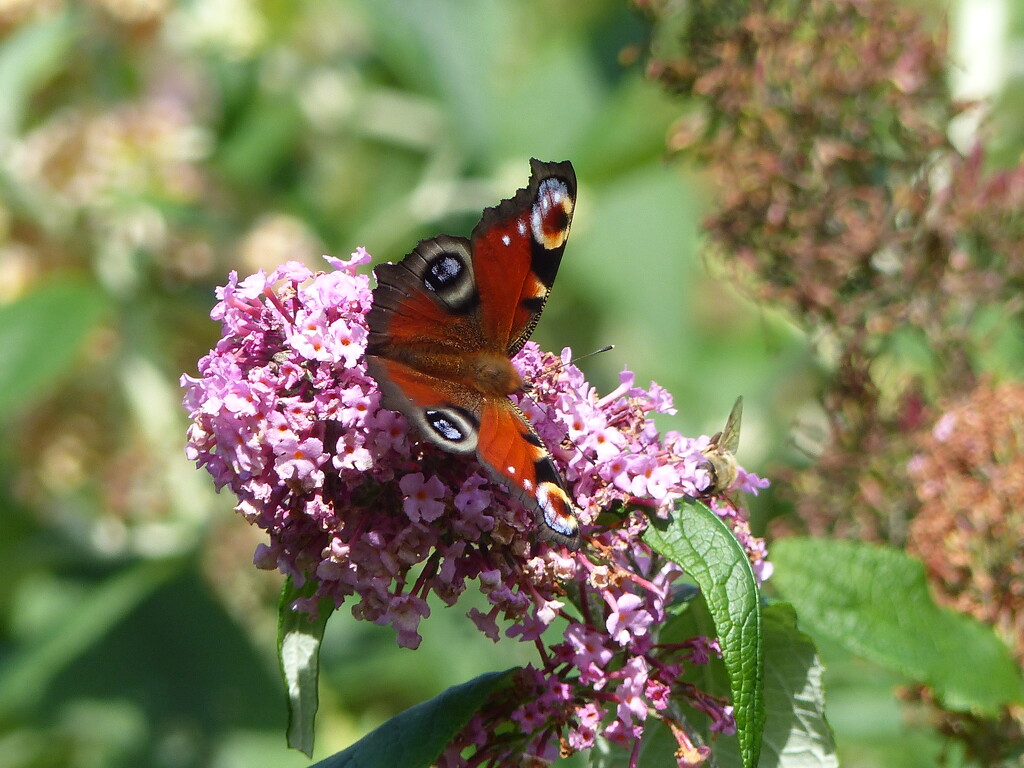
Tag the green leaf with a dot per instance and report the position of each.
(28, 58)
(263, 142)
(875, 602)
(415, 738)
(40, 335)
(28, 673)
(699, 541)
(298, 651)
(796, 734)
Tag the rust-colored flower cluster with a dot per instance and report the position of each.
(819, 122)
(968, 475)
(969, 529)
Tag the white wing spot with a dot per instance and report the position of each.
(506, 239)
(521, 226)
(544, 501)
(511, 469)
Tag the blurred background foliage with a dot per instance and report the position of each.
(147, 147)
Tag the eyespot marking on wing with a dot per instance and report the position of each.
(443, 269)
(551, 213)
(447, 274)
(452, 428)
(561, 523)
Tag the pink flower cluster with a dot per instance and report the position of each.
(285, 416)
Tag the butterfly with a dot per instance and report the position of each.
(445, 322)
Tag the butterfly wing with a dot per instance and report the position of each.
(513, 452)
(428, 300)
(517, 247)
(462, 421)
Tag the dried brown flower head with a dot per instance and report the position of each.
(969, 530)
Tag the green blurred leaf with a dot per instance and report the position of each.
(698, 540)
(796, 733)
(40, 335)
(875, 602)
(28, 58)
(298, 650)
(27, 674)
(180, 631)
(264, 143)
(417, 736)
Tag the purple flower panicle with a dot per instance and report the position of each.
(285, 416)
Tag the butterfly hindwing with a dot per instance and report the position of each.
(446, 414)
(512, 451)
(445, 321)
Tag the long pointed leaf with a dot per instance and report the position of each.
(699, 541)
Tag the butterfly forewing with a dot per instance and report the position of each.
(431, 288)
(517, 247)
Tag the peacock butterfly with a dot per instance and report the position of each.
(446, 321)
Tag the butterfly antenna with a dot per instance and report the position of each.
(527, 388)
(575, 360)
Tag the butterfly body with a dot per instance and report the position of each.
(446, 321)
